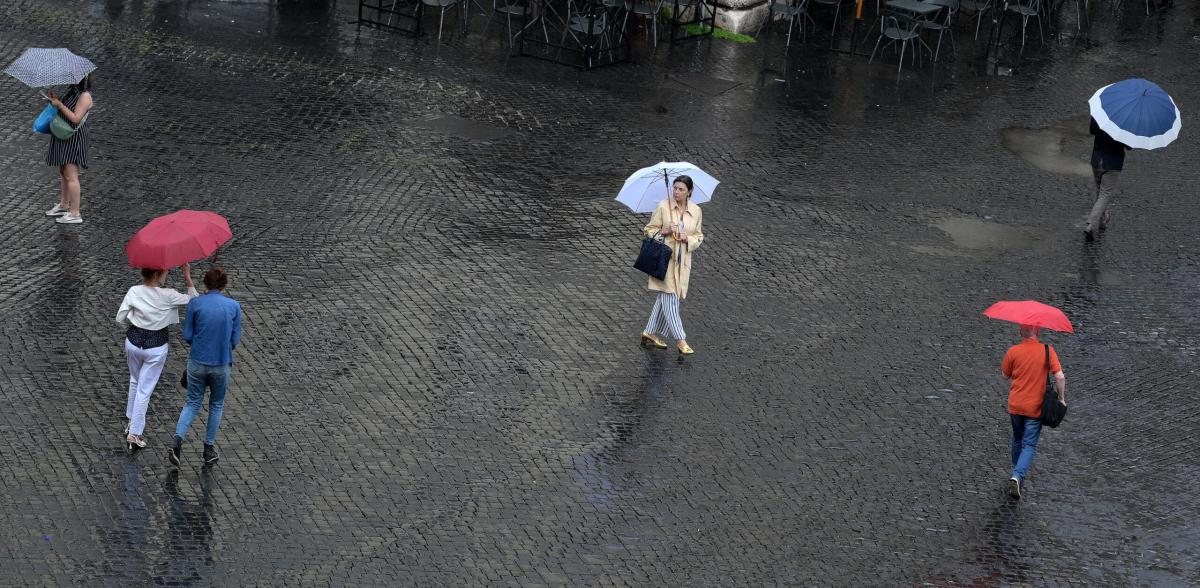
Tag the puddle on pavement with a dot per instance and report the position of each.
(973, 233)
(1062, 149)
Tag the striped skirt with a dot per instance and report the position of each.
(70, 151)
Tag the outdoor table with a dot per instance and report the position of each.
(920, 10)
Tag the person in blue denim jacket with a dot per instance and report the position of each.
(213, 327)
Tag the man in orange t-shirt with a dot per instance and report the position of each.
(1025, 365)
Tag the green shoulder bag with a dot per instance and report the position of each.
(63, 130)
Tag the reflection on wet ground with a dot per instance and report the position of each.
(1064, 148)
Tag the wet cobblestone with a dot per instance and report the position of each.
(440, 382)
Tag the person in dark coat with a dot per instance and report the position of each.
(1108, 159)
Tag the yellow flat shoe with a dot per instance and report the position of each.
(685, 350)
(655, 341)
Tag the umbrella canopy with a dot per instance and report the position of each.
(177, 238)
(1137, 113)
(650, 185)
(38, 68)
(1029, 312)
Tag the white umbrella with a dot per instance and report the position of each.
(650, 185)
(38, 68)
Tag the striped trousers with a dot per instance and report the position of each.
(664, 318)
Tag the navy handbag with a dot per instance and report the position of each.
(654, 258)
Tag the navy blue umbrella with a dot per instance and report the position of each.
(1137, 113)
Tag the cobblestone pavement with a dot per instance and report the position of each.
(440, 382)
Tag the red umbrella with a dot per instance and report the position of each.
(1029, 312)
(177, 238)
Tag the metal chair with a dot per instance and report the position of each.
(1028, 9)
(442, 6)
(652, 9)
(588, 26)
(898, 28)
(836, 13)
(976, 8)
(511, 8)
(941, 25)
(794, 10)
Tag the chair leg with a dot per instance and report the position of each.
(903, 45)
(833, 30)
(877, 41)
(491, 17)
(766, 23)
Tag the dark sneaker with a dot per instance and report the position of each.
(1089, 234)
(174, 451)
(1014, 488)
(210, 454)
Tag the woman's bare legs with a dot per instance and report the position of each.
(70, 179)
(64, 200)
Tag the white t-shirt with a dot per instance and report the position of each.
(153, 308)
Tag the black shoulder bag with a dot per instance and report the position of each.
(654, 258)
(1053, 411)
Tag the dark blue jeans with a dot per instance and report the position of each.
(1025, 434)
(200, 376)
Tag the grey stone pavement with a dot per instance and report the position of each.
(440, 382)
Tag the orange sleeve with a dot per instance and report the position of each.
(1006, 366)
(1055, 366)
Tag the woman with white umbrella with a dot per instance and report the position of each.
(679, 220)
(673, 191)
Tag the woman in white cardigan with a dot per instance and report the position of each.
(149, 309)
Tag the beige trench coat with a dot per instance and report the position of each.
(681, 261)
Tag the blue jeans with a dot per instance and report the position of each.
(1026, 431)
(200, 376)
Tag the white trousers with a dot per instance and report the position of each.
(664, 317)
(145, 366)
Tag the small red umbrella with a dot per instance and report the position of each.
(1030, 312)
(177, 238)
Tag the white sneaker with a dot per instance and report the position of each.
(69, 219)
(58, 210)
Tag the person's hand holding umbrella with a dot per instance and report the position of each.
(187, 275)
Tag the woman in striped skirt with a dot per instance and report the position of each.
(70, 155)
(678, 219)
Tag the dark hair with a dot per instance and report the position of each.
(149, 272)
(84, 85)
(686, 181)
(215, 279)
